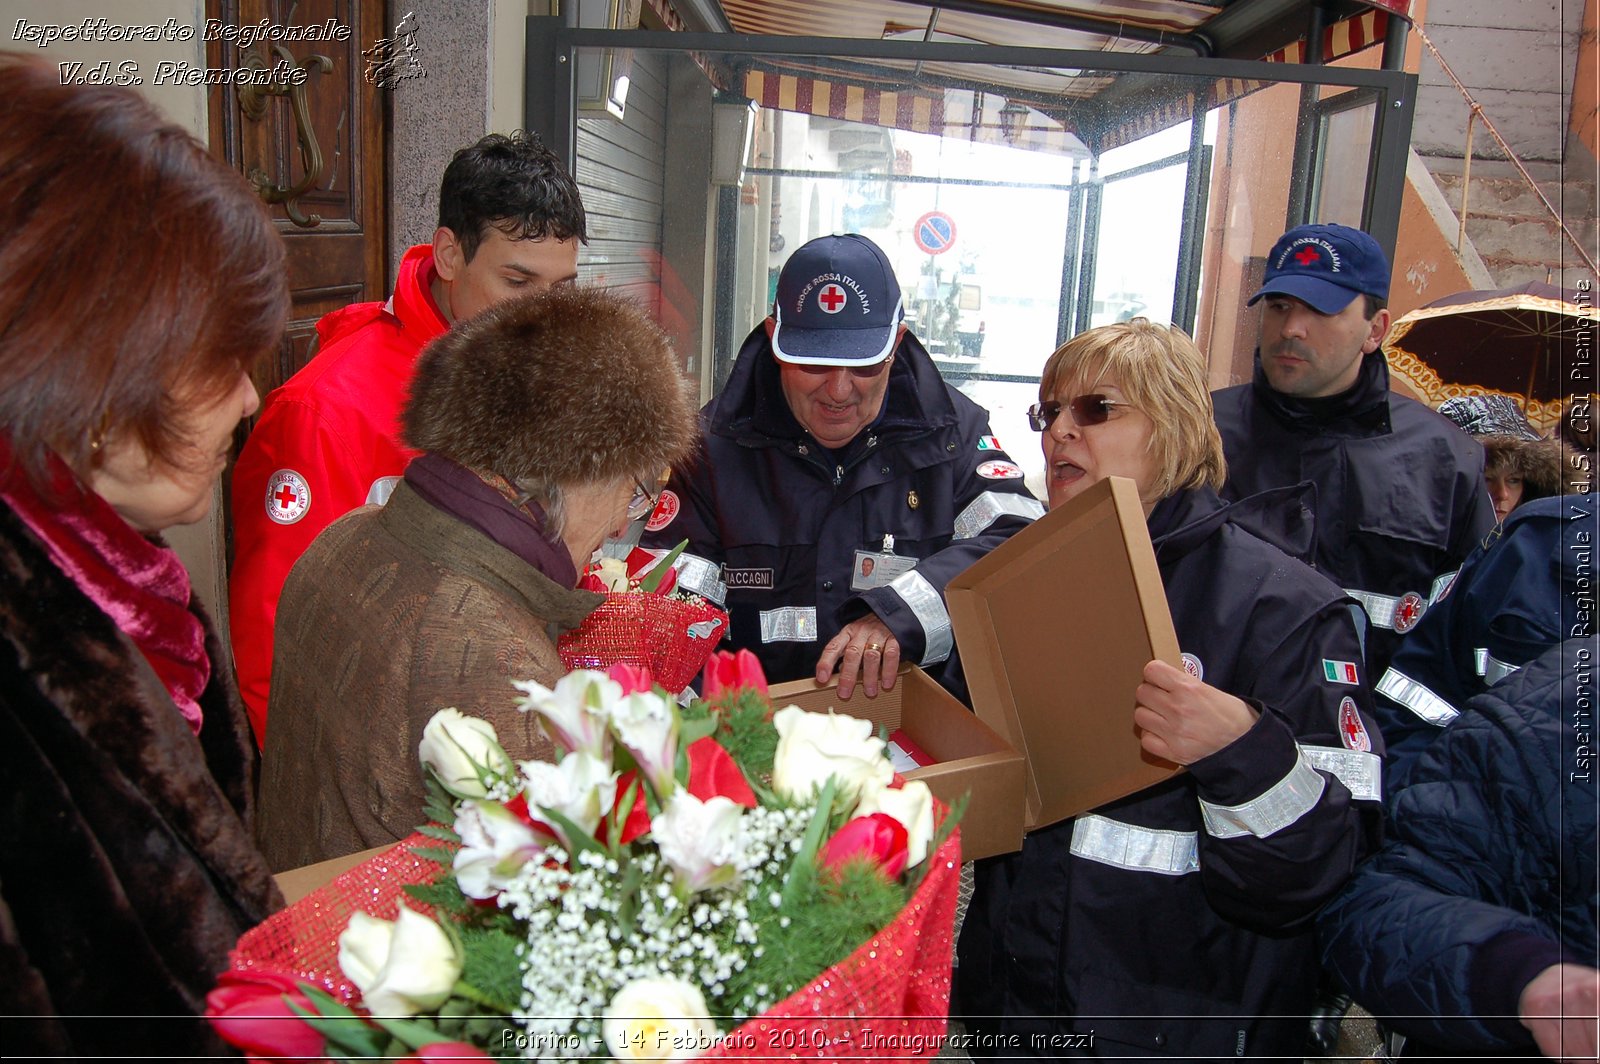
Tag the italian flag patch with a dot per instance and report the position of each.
(1340, 671)
(989, 443)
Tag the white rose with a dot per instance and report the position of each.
(576, 713)
(495, 844)
(699, 840)
(647, 724)
(401, 967)
(463, 752)
(658, 1019)
(581, 788)
(912, 805)
(613, 573)
(814, 746)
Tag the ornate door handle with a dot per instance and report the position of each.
(253, 102)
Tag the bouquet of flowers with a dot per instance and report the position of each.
(720, 880)
(646, 621)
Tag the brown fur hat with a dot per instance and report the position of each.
(1537, 462)
(569, 386)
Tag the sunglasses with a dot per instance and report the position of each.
(643, 501)
(860, 373)
(1086, 410)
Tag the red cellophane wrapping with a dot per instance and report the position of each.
(889, 999)
(671, 637)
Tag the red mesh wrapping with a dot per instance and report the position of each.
(890, 998)
(652, 631)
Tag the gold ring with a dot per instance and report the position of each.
(873, 648)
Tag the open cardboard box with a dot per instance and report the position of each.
(1055, 627)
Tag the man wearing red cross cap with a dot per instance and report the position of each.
(1397, 491)
(841, 482)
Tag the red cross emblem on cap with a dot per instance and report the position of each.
(831, 299)
(1409, 612)
(1306, 255)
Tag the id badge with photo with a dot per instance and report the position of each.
(877, 568)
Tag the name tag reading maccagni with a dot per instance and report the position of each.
(759, 579)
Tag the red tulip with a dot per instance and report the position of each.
(450, 1051)
(249, 1010)
(878, 837)
(731, 672)
(712, 772)
(641, 561)
(633, 678)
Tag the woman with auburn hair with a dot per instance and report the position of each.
(139, 281)
(1177, 921)
(546, 425)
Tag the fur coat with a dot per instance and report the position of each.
(127, 869)
(393, 614)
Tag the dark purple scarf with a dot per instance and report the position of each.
(484, 502)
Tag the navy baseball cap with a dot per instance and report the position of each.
(838, 304)
(1325, 267)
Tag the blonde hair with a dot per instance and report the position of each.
(1162, 373)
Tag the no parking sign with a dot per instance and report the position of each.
(935, 232)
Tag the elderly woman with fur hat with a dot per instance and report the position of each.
(544, 425)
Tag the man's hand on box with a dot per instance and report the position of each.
(1182, 719)
(1559, 1008)
(864, 648)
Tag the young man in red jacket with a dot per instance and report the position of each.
(328, 440)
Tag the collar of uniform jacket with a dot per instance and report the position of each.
(1283, 517)
(1358, 413)
(752, 410)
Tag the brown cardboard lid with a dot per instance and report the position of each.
(1055, 627)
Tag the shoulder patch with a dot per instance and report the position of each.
(1352, 732)
(999, 471)
(288, 497)
(665, 513)
(989, 443)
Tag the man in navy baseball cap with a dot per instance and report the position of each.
(1396, 491)
(841, 482)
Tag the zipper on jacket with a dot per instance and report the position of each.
(838, 475)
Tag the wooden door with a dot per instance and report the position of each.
(342, 258)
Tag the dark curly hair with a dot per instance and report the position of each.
(515, 184)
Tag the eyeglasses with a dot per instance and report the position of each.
(1086, 410)
(643, 502)
(860, 373)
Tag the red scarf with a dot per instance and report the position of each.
(139, 582)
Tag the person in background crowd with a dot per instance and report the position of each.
(1525, 589)
(543, 425)
(836, 442)
(1518, 466)
(1473, 931)
(328, 440)
(1400, 497)
(1178, 921)
(126, 342)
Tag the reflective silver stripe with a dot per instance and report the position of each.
(1440, 586)
(1403, 690)
(1491, 668)
(1275, 809)
(789, 624)
(701, 576)
(982, 511)
(1111, 842)
(1361, 771)
(928, 607)
(378, 494)
(1380, 608)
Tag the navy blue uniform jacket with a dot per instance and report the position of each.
(1177, 921)
(774, 519)
(1400, 494)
